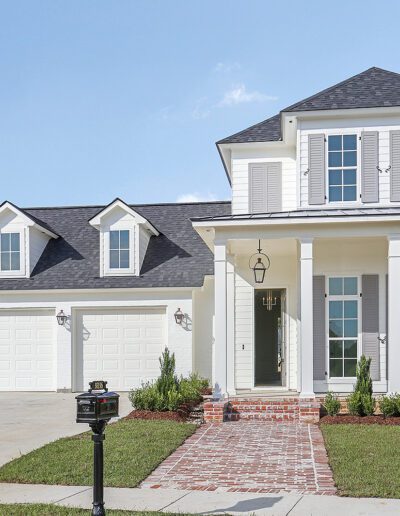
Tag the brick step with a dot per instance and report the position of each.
(286, 409)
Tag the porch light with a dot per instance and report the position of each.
(61, 318)
(179, 315)
(259, 263)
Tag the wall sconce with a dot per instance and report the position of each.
(61, 318)
(179, 315)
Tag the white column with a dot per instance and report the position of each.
(230, 338)
(220, 384)
(306, 317)
(64, 350)
(393, 330)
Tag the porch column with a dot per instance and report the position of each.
(393, 330)
(306, 317)
(230, 324)
(220, 346)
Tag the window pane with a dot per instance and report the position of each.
(114, 259)
(350, 159)
(335, 349)
(334, 143)
(335, 309)
(350, 348)
(335, 159)
(335, 286)
(350, 142)
(349, 177)
(335, 193)
(335, 177)
(124, 259)
(15, 261)
(350, 327)
(124, 239)
(350, 286)
(350, 367)
(349, 193)
(336, 328)
(5, 261)
(335, 367)
(14, 241)
(350, 310)
(114, 239)
(5, 242)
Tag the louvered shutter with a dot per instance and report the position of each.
(370, 321)
(274, 186)
(395, 166)
(316, 169)
(319, 336)
(369, 166)
(265, 187)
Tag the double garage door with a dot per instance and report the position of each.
(120, 345)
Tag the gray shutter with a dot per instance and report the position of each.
(370, 321)
(274, 186)
(369, 166)
(265, 187)
(257, 187)
(395, 166)
(316, 169)
(319, 333)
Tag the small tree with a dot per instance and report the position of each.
(364, 381)
(167, 380)
(361, 402)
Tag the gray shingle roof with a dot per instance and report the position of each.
(176, 258)
(374, 87)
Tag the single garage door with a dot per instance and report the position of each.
(121, 346)
(27, 350)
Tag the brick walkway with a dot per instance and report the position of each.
(260, 457)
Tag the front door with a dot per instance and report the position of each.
(269, 338)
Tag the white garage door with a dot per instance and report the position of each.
(121, 346)
(27, 350)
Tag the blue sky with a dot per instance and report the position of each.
(101, 99)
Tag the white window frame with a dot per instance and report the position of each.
(356, 297)
(357, 201)
(108, 270)
(21, 271)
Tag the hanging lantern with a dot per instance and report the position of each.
(259, 263)
(179, 315)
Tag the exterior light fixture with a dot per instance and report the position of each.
(179, 315)
(259, 263)
(269, 301)
(61, 318)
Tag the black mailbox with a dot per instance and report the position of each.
(97, 404)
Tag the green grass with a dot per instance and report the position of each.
(132, 449)
(55, 510)
(365, 459)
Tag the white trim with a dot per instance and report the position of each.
(27, 220)
(21, 272)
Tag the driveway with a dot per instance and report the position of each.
(31, 419)
(256, 457)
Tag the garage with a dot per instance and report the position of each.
(27, 350)
(120, 345)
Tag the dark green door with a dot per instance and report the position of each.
(268, 337)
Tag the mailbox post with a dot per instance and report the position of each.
(96, 407)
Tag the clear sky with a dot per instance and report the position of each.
(101, 98)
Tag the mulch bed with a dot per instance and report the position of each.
(180, 415)
(358, 420)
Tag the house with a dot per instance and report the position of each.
(279, 291)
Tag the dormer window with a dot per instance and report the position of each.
(342, 168)
(10, 252)
(119, 249)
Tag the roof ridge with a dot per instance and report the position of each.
(76, 207)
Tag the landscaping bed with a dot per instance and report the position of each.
(163, 416)
(347, 419)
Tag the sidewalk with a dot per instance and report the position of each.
(200, 502)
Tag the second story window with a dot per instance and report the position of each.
(342, 168)
(10, 252)
(119, 249)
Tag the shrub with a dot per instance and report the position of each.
(331, 404)
(364, 381)
(361, 402)
(167, 380)
(390, 405)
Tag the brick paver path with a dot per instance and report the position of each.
(265, 457)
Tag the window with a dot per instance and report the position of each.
(119, 249)
(10, 252)
(342, 167)
(343, 309)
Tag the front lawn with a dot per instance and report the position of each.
(132, 449)
(365, 459)
(56, 510)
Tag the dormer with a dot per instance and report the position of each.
(23, 239)
(124, 237)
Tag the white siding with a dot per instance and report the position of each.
(144, 238)
(244, 309)
(37, 244)
(203, 312)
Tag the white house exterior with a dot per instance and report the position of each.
(317, 187)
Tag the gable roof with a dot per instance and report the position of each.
(177, 257)
(42, 226)
(374, 87)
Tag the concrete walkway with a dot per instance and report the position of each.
(200, 502)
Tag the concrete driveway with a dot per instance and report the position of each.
(31, 419)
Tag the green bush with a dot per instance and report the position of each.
(167, 381)
(390, 405)
(364, 381)
(361, 402)
(331, 404)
